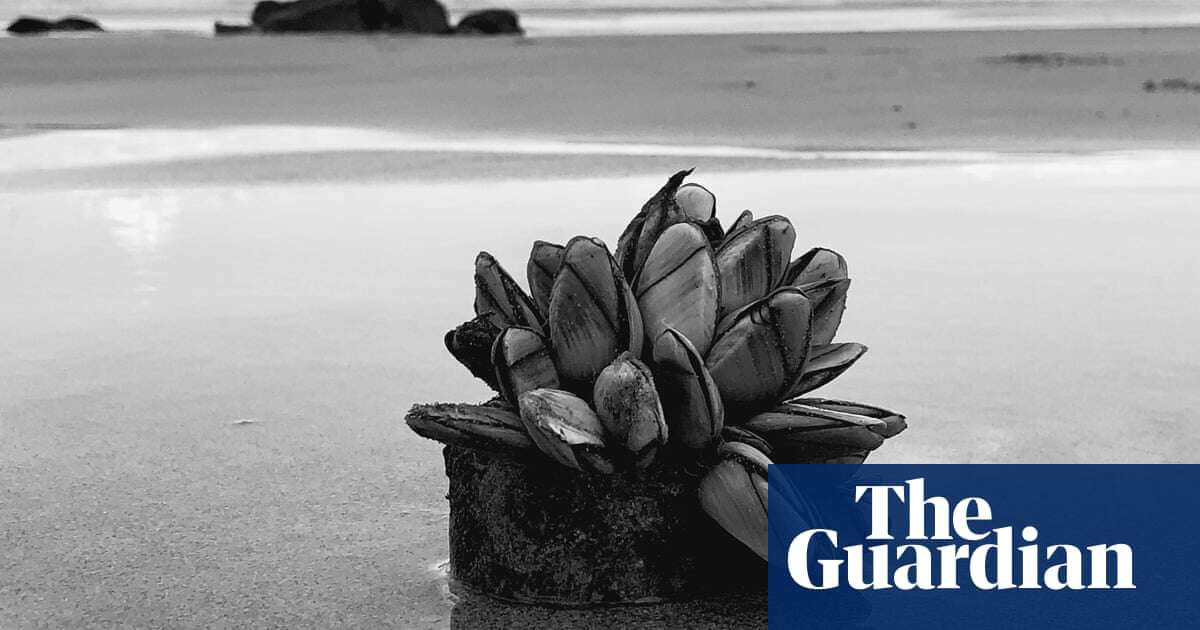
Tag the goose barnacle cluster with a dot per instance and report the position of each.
(688, 339)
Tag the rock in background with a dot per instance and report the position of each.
(25, 25)
(489, 22)
(417, 16)
(410, 16)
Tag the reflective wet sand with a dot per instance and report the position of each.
(203, 385)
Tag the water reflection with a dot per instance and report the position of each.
(742, 603)
(112, 147)
(740, 608)
(141, 223)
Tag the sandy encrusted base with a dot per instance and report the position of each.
(533, 531)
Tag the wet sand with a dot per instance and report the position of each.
(206, 359)
(862, 91)
(1027, 312)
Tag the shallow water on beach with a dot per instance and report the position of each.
(35, 153)
(201, 409)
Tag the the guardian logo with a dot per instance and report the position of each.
(973, 554)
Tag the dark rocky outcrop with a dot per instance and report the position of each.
(30, 26)
(416, 16)
(489, 22)
(308, 16)
(409, 16)
(264, 10)
(76, 23)
(26, 25)
(221, 28)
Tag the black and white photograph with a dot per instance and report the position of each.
(482, 314)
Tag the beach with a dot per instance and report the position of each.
(228, 265)
(866, 91)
